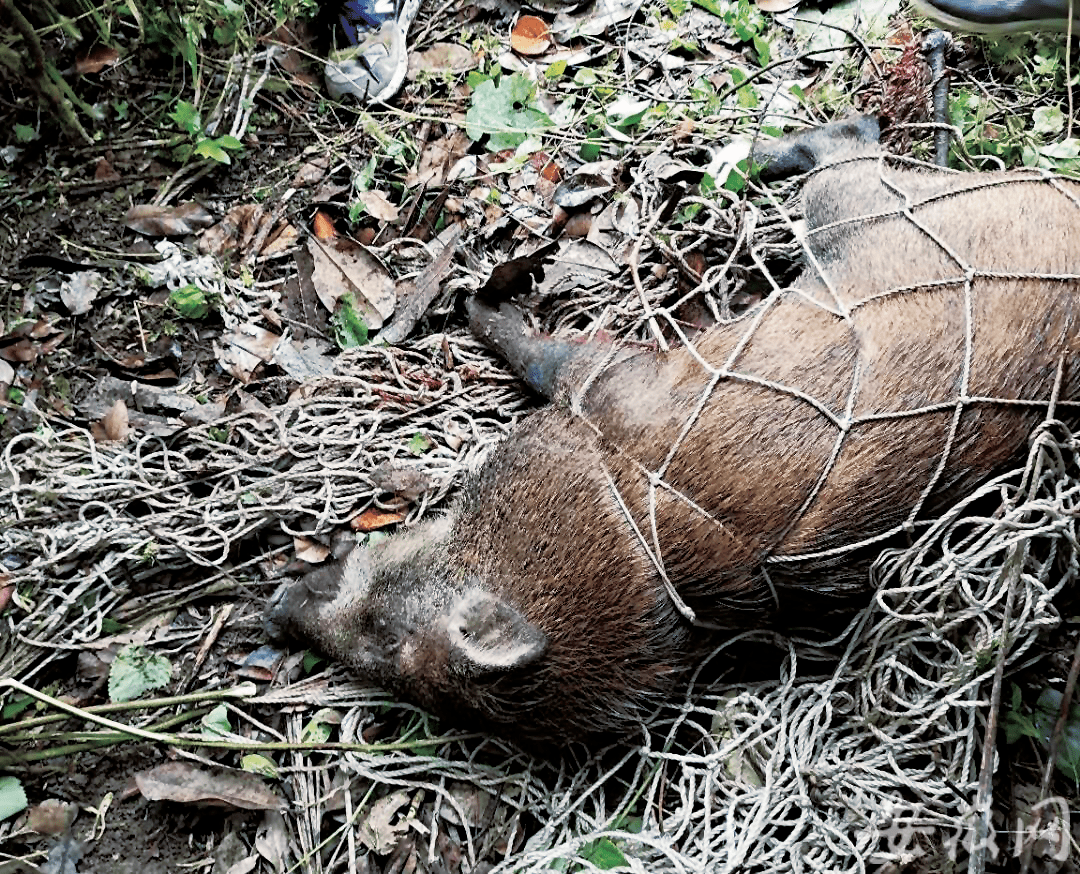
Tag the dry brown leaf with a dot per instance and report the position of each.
(441, 57)
(414, 298)
(547, 167)
(113, 426)
(311, 172)
(375, 202)
(245, 348)
(309, 550)
(405, 482)
(324, 226)
(282, 238)
(578, 225)
(437, 159)
(22, 350)
(96, 59)
(79, 291)
(235, 232)
(530, 36)
(231, 856)
(373, 518)
(376, 832)
(104, 172)
(51, 817)
(93, 665)
(272, 840)
(165, 221)
(305, 360)
(186, 783)
(342, 266)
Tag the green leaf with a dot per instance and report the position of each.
(230, 142)
(12, 797)
(761, 46)
(311, 661)
(603, 854)
(24, 133)
(16, 706)
(215, 724)
(626, 112)
(321, 726)
(186, 117)
(257, 764)
(586, 77)
(1048, 120)
(505, 112)
(745, 94)
(365, 177)
(1044, 717)
(736, 179)
(555, 70)
(213, 150)
(713, 7)
(475, 78)
(419, 444)
(190, 301)
(111, 626)
(350, 330)
(136, 670)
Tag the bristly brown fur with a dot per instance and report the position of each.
(537, 603)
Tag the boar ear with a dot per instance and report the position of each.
(488, 634)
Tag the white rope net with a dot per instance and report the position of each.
(868, 761)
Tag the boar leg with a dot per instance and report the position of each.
(813, 148)
(551, 366)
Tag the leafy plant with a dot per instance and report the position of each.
(419, 444)
(505, 111)
(215, 724)
(12, 797)
(135, 671)
(259, 764)
(1038, 723)
(187, 118)
(350, 329)
(745, 20)
(1031, 140)
(190, 302)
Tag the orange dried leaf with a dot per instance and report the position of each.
(530, 36)
(373, 518)
(113, 426)
(324, 226)
(104, 172)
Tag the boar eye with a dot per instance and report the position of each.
(385, 635)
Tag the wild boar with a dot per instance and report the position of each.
(756, 467)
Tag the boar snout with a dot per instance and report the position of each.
(298, 605)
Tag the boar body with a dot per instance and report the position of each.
(753, 468)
